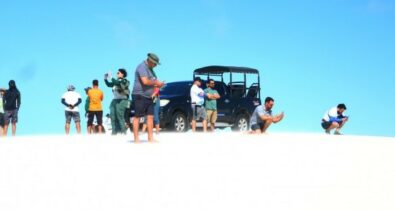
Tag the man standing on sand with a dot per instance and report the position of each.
(71, 100)
(12, 103)
(95, 106)
(144, 84)
(197, 104)
(211, 103)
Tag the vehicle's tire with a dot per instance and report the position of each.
(241, 123)
(179, 122)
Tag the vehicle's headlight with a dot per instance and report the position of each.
(164, 102)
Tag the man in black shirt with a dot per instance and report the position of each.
(12, 103)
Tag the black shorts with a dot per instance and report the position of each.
(142, 106)
(257, 126)
(99, 117)
(1, 120)
(325, 124)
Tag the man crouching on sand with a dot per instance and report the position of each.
(262, 117)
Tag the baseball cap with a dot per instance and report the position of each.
(70, 88)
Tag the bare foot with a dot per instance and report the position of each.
(153, 141)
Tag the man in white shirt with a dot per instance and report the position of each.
(197, 102)
(334, 119)
(71, 100)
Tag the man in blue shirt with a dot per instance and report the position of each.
(262, 117)
(144, 83)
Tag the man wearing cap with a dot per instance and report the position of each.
(71, 100)
(120, 102)
(95, 109)
(197, 102)
(334, 119)
(144, 83)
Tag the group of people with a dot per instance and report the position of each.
(203, 104)
(10, 102)
(145, 96)
(146, 99)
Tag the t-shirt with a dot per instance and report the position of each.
(139, 88)
(196, 95)
(12, 99)
(71, 97)
(331, 115)
(95, 98)
(211, 104)
(258, 112)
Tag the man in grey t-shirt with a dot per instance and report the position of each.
(262, 117)
(144, 83)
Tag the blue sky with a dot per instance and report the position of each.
(311, 55)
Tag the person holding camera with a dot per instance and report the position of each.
(334, 118)
(120, 102)
(262, 117)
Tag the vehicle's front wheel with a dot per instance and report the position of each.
(241, 123)
(179, 122)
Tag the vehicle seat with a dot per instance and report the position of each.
(237, 90)
(252, 92)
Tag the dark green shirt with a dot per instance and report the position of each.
(211, 104)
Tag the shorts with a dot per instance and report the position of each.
(10, 115)
(74, 115)
(142, 106)
(1, 119)
(325, 124)
(257, 126)
(99, 117)
(212, 116)
(198, 112)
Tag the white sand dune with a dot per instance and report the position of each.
(198, 171)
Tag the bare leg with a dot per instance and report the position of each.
(13, 129)
(150, 125)
(78, 127)
(337, 131)
(157, 128)
(89, 129)
(144, 127)
(212, 126)
(204, 125)
(193, 125)
(67, 128)
(266, 125)
(100, 129)
(333, 126)
(136, 121)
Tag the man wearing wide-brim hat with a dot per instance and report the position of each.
(144, 83)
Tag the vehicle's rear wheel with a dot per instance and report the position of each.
(179, 122)
(241, 123)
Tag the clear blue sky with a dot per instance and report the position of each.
(312, 55)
